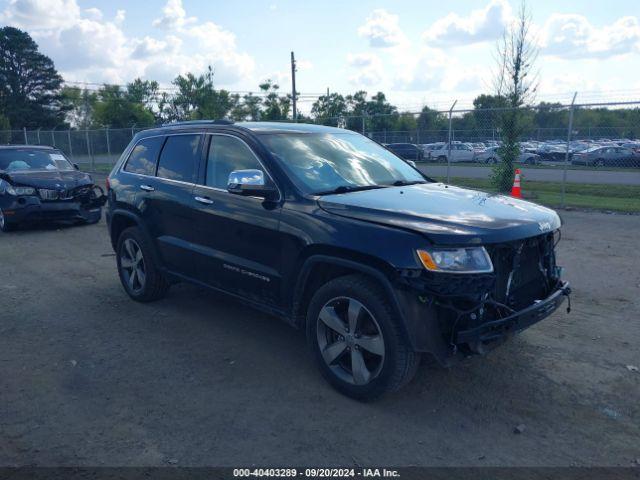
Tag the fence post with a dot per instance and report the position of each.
(70, 147)
(53, 137)
(38, 132)
(108, 143)
(449, 145)
(26, 139)
(363, 132)
(86, 133)
(566, 153)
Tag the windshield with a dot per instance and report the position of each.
(19, 159)
(323, 162)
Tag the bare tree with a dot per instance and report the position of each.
(516, 82)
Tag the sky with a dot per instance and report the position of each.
(417, 52)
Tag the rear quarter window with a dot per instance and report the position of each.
(144, 155)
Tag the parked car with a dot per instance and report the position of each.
(552, 152)
(408, 151)
(39, 183)
(607, 157)
(336, 235)
(460, 152)
(427, 149)
(490, 155)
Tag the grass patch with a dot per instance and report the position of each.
(620, 198)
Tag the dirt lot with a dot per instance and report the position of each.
(88, 377)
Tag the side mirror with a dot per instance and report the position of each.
(76, 166)
(412, 163)
(250, 183)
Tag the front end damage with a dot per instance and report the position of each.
(83, 203)
(452, 315)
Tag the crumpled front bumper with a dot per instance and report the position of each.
(497, 330)
(32, 209)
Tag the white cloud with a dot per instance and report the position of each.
(149, 47)
(573, 36)
(382, 29)
(174, 16)
(120, 16)
(85, 46)
(40, 14)
(480, 25)
(93, 14)
(422, 71)
(368, 69)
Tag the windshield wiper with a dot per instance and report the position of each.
(351, 188)
(404, 183)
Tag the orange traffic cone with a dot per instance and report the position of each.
(515, 190)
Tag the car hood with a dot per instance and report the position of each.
(49, 179)
(446, 215)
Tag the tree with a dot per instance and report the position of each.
(382, 115)
(116, 108)
(516, 82)
(30, 86)
(198, 99)
(328, 108)
(81, 103)
(246, 109)
(275, 106)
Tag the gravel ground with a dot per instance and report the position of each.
(88, 377)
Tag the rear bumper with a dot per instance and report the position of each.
(497, 330)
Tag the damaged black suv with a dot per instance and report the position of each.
(39, 183)
(336, 235)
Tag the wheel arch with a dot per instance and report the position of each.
(319, 268)
(120, 220)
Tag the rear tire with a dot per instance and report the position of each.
(362, 358)
(598, 163)
(137, 267)
(442, 159)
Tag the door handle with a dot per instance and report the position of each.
(147, 188)
(205, 200)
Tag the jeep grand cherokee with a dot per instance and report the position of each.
(336, 235)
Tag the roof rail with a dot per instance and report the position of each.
(222, 121)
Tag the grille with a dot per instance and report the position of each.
(523, 271)
(49, 194)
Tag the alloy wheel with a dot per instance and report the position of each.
(350, 341)
(132, 265)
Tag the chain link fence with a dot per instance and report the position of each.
(581, 155)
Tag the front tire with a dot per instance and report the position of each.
(137, 268)
(5, 226)
(356, 341)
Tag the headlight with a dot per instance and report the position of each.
(456, 260)
(17, 191)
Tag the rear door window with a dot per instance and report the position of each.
(179, 158)
(144, 155)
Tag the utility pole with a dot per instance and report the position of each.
(293, 87)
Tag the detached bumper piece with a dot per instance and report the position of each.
(498, 330)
